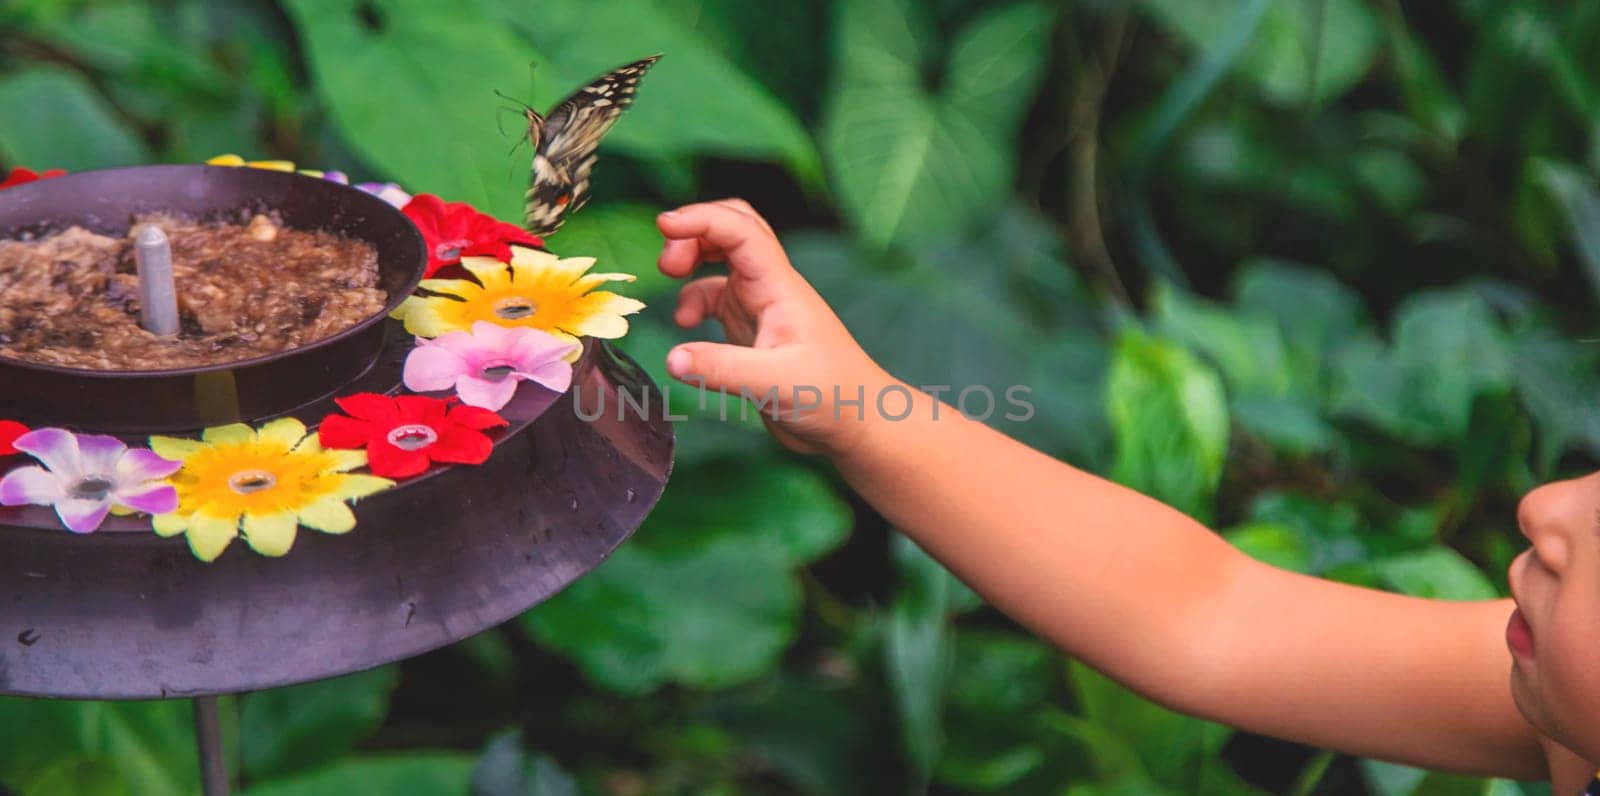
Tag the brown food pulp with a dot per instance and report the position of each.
(244, 290)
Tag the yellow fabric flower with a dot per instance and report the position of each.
(536, 289)
(269, 481)
(235, 160)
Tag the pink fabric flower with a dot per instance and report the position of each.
(86, 477)
(484, 365)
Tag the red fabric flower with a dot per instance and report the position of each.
(454, 230)
(9, 431)
(20, 175)
(404, 434)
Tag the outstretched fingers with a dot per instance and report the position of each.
(735, 203)
(698, 300)
(721, 366)
(712, 231)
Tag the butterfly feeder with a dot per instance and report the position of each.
(123, 613)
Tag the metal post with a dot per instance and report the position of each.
(208, 737)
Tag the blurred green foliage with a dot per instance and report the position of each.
(1321, 273)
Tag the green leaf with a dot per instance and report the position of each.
(1495, 444)
(1392, 178)
(1315, 313)
(1558, 382)
(997, 682)
(1435, 572)
(1575, 193)
(918, 648)
(1303, 52)
(78, 776)
(1448, 348)
(1331, 532)
(1170, 746)
(1250, 158)
(715, 428)
(705, 593)
(1287, 423)
(134, 41)
(621, 237)
(996, 62)
(1427, 96)
(694, 102)
(1390, 779)
(415, 774)
(1176, 104)
(1169, 419)
(952, 320)
(814, 732)
(197, 134)
(414, 94)
(913, 166)
(1248, 349)
(507, 769)
(293, 729)
(1278, 545)
(51, 118)
(780, 44)
(150, 745)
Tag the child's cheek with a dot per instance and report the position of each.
(1571, 672)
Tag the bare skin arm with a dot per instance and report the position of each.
(1124, 582)
(1161, 603)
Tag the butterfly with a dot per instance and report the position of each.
(564, 142)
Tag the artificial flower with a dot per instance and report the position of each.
(235, 160)
(20, 175)
(387, 191)
(537, 290)
(454, 230)
(404, 434)
(485, 365)
(267, 481)
(87, 477)
(9, 431)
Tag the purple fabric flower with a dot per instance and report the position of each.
(484, 365)
(387, 191)
(86, 477)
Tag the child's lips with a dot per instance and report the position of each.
(1519, 637)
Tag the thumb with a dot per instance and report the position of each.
(720, 366)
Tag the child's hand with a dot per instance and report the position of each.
(781, 335)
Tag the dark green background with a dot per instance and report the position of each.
(1319, 272)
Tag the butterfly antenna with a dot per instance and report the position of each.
(507, 97)
(500, 120)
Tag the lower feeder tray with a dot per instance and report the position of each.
(125, 614)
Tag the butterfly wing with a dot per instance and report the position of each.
(565, 143)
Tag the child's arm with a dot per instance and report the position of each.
(1129, 585)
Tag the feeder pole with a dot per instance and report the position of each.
(158, 296)
(208, 737)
